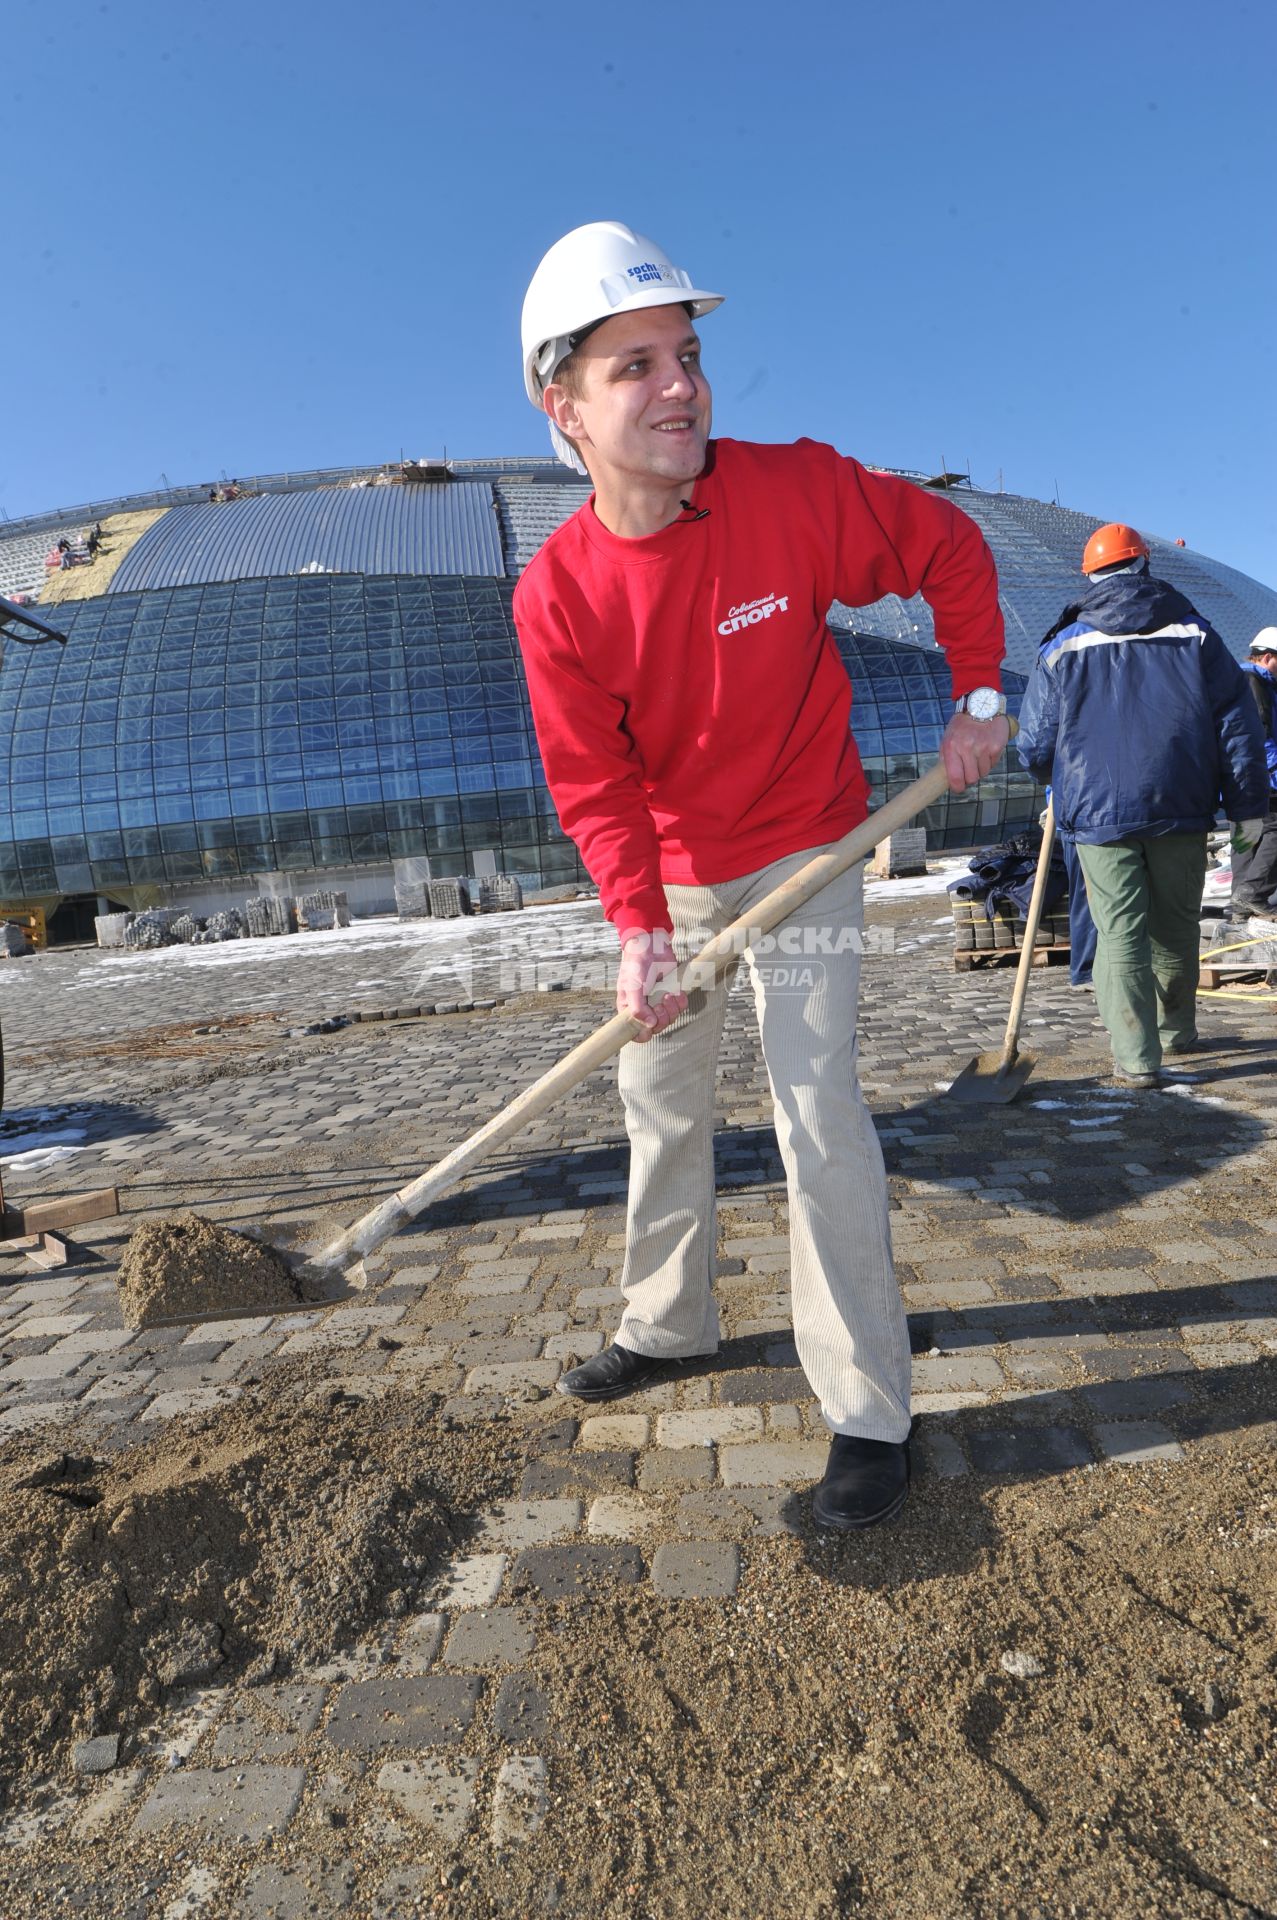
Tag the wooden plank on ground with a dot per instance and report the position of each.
(49, 1215)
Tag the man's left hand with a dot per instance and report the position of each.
(971, 748)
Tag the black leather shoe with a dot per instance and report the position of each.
(865, 1481)
(614, 1371)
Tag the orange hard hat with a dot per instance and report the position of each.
(1110, 545)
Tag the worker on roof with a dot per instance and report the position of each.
(1255, 868)
(693, 717)
(1138, 715)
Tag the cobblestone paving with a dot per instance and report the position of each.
(1079, 1293)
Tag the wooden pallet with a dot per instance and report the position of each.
(1211, 979)
(1008, 956)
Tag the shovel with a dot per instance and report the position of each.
(991, 1079)
(704, 970)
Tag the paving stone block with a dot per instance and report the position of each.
(577, 1473)
(51, 1326)
(1103, 1280)
(118, 1386)
(666, 1467)
(521, 1713)
(508, 1378)
(761, 1385)
(599, 1299)
(621, 1516)
(755, 1512)
(621, 1430)
(488, 1351)
(1127, 1399)
(940, 1455)
(219, 1332)
(404, 1891)
(696, 1570)
(236, 1804)
(559, 1573)
(1034, 1367)
(573, 1348)
(419, 1641)
(243, 1737)
(1133, 1442)
(170, 1406)
(775, 1463)
(1030, 1451)
(556, 1436)
(1223, 1353)
(98, 1755)
(956, 1373)
(404, 1710)
(519, 1803)
(473, 1580)
(500, 1638)
(102, 1811)
(292, 1893)
(954, 1293)
(527, 1523)
(439, 1794)
(707, 1426)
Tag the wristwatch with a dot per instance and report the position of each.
(982, 703)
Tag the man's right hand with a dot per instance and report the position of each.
(647, 958)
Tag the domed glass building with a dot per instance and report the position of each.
(318, 674)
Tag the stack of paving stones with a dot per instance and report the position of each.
(144, 931)
(109, 928)
(270, 914)
(325, 908)
(1074, 1303)
(449, 898)
(499, 893)
(227, 924)
(184, 929)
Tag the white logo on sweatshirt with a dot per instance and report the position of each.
(750, 612)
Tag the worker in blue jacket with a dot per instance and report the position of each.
(1141, 720)
(1255, 871)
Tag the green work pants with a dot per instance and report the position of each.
(1146, 901)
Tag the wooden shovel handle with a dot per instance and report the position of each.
(715, 958)
(1010, 1045)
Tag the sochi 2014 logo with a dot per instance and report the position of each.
(751, 612)
(647, 270)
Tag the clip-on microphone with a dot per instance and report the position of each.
(697, 513)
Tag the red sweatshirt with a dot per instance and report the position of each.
(690, 704)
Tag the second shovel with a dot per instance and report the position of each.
(993, 1078)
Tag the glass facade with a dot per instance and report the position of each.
(200, 733)
(196, 733)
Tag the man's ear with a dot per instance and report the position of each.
(564, 411)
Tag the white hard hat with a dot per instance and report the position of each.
(1265, 641)
(587, 276)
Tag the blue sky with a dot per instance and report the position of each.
(1035, 239)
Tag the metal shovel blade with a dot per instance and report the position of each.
(986, 1082)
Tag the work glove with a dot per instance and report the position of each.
(1246, 835)
(647, 959)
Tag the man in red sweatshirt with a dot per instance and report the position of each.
(693, 717)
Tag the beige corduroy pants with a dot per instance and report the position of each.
(849, 1320)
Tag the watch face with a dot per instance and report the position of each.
(984, 704)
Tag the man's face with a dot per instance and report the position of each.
(1266, 660)
(643, 405)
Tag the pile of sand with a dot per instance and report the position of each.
(188, 1267)
(262, 1538)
